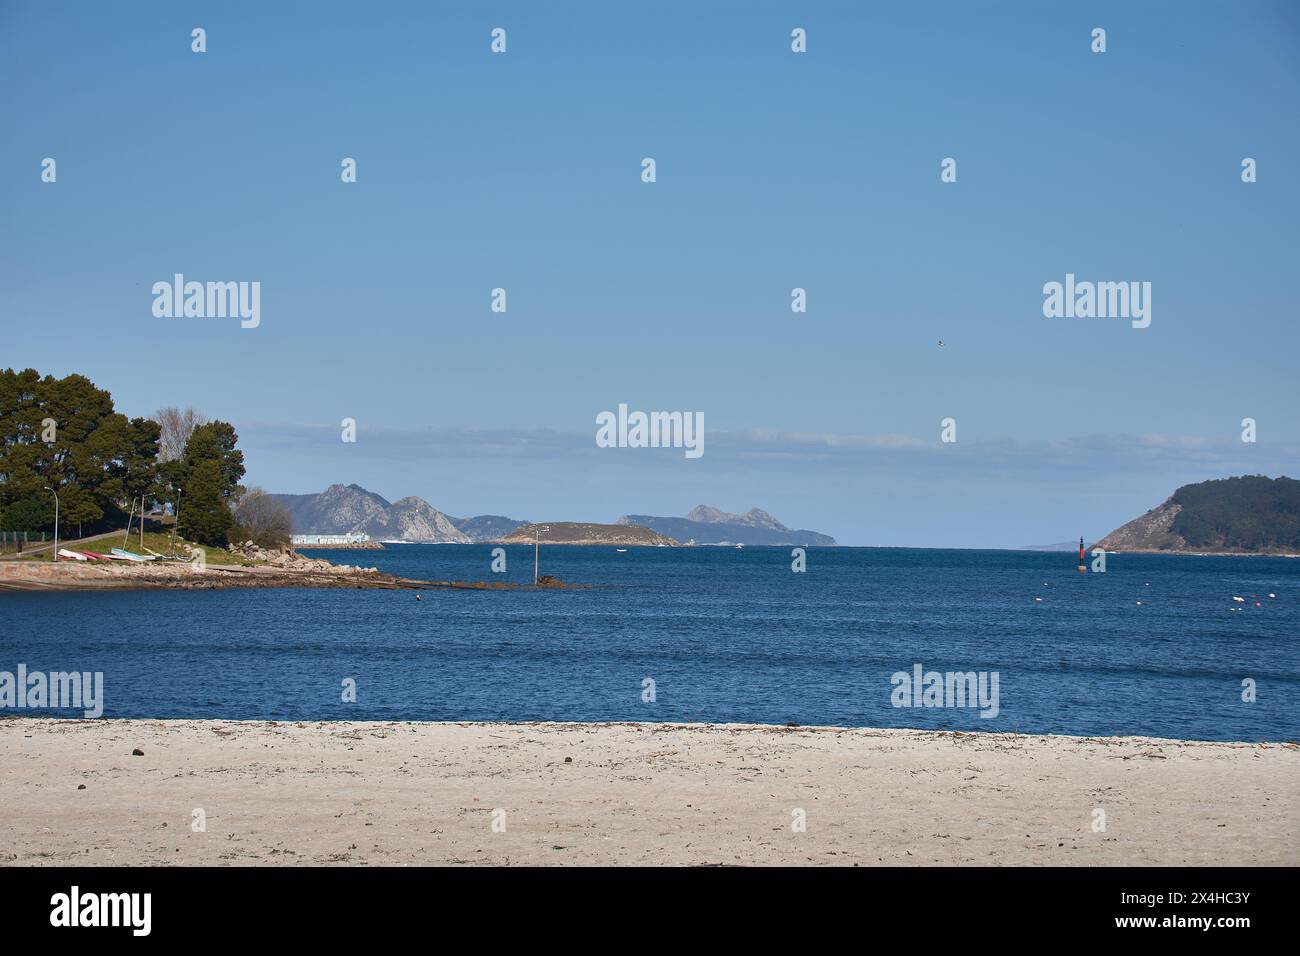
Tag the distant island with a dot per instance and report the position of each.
(1251, 514)
(581, 532)
(346, 509)
(708, 525)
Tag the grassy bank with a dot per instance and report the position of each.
(161, 542)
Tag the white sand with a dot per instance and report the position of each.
(424, 793)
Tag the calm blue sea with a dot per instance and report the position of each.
(725, 634)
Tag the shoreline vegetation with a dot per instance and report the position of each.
(398, 793)
(588, 533)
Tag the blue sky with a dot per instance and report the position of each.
(775, 170)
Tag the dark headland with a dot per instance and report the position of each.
(1249, 515)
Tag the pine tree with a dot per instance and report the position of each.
(208, 474)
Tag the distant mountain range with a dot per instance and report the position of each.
(1062, 546)
(708, 525)
(341, 509)
(486, 527)
(1247, 515)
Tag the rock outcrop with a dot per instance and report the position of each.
(1150, 532)
(291, 560)
(414, 519)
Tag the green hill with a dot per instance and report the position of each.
(1251, 514)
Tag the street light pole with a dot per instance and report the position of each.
(56, 521)
(537, 530)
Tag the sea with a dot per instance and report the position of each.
(1156, 645)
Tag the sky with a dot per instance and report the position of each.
(775, 170)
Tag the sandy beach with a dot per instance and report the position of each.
(430, 793)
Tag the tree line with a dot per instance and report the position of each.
(63, 434)
(1248, 513)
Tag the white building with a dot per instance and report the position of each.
(324, 540)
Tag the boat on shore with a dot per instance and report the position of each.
(121, 554)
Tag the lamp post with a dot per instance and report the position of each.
(537, 530)
(56, 521)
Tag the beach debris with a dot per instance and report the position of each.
(81, 786)
(568, 760)
(137, 752)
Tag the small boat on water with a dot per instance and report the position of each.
(621, 550)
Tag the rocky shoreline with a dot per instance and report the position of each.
(352, 546)
(42, 576)
(278, 570)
